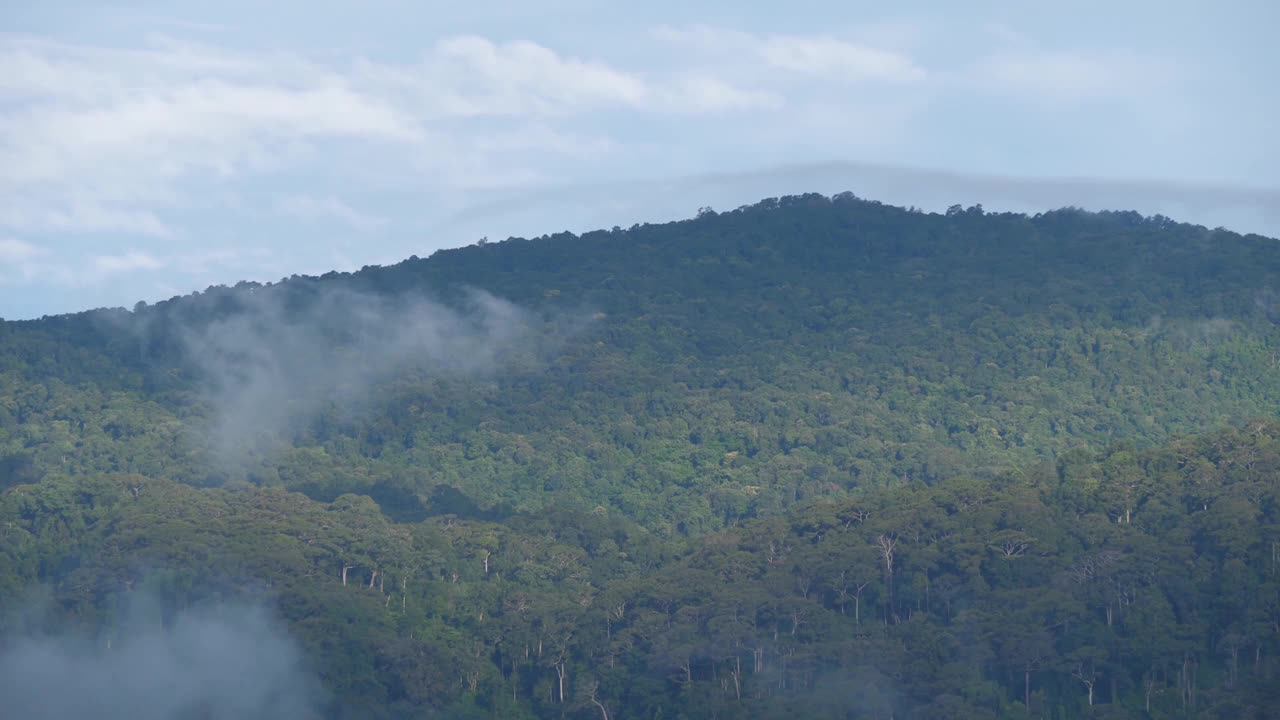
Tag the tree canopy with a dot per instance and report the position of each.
(816, 456)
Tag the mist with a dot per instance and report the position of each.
(227, 661)
(271, 366)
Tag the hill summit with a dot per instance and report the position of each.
(687, 374)
(814, 457)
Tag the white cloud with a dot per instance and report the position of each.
(174, 148)
(703, 92)
(819, 54)
(20, 260)
(28, 214)
(1069, 77)
(49, 273)
(706, 39)
(484, 78)
(96, 139)
(201, 125)
(125, 262)
(102, 140)
(201, 262)
(323, 209)
(40, 266)
(543, 138)
(473, 77)
(1006, 62)
(837, 58)
(13, 251)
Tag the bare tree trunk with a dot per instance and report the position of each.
(1089, 680)
(887, 545)
(1189, 679)
(1183, 685)
(604, 712)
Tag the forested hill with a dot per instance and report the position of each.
(686, 375)
(1018, 597)
(815, 457)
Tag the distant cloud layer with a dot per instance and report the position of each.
(17, 252)
(820, 55)
(198, 153)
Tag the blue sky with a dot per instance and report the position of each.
(149, 149)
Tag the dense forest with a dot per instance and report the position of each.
(814, 457)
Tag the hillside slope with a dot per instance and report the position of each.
(1016, 597)
(816, 457)
(687, 375)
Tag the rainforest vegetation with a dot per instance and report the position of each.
(813, 457)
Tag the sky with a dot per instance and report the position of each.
(151, 149)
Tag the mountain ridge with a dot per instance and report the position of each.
(1129, 217)
(854, 314)
(815, 457)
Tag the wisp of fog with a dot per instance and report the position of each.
(225, 662)
(272, 365)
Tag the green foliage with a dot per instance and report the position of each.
(816, 457)
(964, 599)
(736, 364)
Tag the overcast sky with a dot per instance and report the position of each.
(149, 149)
